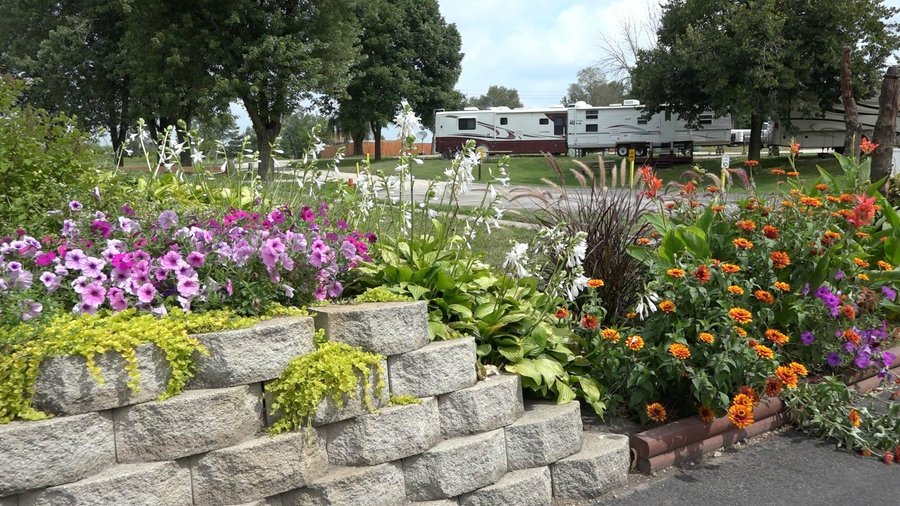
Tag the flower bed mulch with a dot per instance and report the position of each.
(691, 438)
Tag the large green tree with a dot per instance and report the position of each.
(496, 96)
(761, 58)
(409, 52)
(591, 86)
(278, 53)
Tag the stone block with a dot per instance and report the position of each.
(258, 468)
(455, 466)
(275, 500)
(440, 502)
(544, 434)
(439, 368)
(380, 485)
(391, 433)
(151, 484)
(194, 422)
(51, 452)
(12, 500)
(387, 328)
(600, 466)
(253, 354)
(489, 404)
(64, 386)
(525, 487)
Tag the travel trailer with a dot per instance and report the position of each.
(575, 130)
(825, 131)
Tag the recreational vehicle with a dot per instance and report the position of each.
(825, 131)
(576, 130)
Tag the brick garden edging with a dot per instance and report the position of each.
(691, 438)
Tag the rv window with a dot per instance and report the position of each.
(559, 126)
(706, 119)
(590, 114)
(544, 121)
(467, 123)
(504, 121)
(642, 120)
(590, 127)
(668, 116)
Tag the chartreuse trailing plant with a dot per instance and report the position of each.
(380, 294)
(24, 346)
(335, 370)
(404, 400)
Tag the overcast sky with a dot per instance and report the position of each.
(534, 46)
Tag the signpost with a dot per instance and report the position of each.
(726, 162)
(631, 153)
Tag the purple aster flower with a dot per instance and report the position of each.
(75, 206)
(146, 293)
(167, 220)
(889, 293)
(833, 359)
(807, 338)
(171, 260)
(94, 294)
(188, 287)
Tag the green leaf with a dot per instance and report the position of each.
(417, 292)
(564, 394)
(695, 239)
(461, 310)
(527, 369)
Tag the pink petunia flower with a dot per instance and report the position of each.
(146, 293)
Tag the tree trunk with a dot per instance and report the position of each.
(185, 157)
(886, 125)
(756, 122)
(376, 133)
(358, 138)
(117, 136)
(851, 113)
(265, 137)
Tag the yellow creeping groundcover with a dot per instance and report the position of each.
(24, 347)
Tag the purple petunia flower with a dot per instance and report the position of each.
(888, 359)
(75, 259)
(117, 300)
(94, 294)
(188, 287)
(863, 360)
(48, 279)
(889, 293)
(803, 291)
(839, 275)
(170, 261)
(93, 267)
(807, 338)
(31, 309)
(146, 292)
(196, 259)
(75, 206)
(14, 267)
(101, 227)
(167, 220)
(833, 359)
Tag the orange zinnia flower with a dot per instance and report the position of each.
(712, 189)
(643, 241)
(773, 387)
(751, 163)
(784, 287)
(595, 283)
(740, 315)
(848, 311)
(860, 262)
(667, 306)
(792, 173)
(862, 277)
(862, 235)
(821, 187)
(743, 400)
(656, 412)
(735, 290)
(851, 336)
(631, 315)
(610, 335)
(746, 225)
(787, 376)
(780, 259)
(741, 243)
(740, 416)
(811, 201)
(770, 232)
(787, 203)
(764, 296)
(680, 351)
(855, 418)
(706, 337)
(777, 172)
(590, 322)
(795, 148)
(739, 331)
(832, 198)
(562, 313)
(730, 268)
(799, 369)
(702, 274)
(777, 337)
(675, 273)
(884, 265)
(764, 351)
(635, 343)
(718, 208)
(706, 413)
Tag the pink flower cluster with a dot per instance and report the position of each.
(96, 262)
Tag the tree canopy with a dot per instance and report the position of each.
(496, 96)
(408, 52)
(761, 58)
(592, 87)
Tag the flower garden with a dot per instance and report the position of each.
(690, 304)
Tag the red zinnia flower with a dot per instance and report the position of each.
(590, 322)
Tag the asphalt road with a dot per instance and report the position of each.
(784, 467)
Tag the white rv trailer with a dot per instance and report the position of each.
(825, 131)
(622, 126)
(502, 130)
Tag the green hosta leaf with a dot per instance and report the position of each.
(549, 369)
(513, 353)
(590, 388)
(526, 369)
(417, 292)
(564, 394)
(461, 310)
(695, 240)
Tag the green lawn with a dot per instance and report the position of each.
(530, 170)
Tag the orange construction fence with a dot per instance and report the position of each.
(388, 149)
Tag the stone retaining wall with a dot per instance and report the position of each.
(467, 442)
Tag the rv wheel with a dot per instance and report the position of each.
(622, 151)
